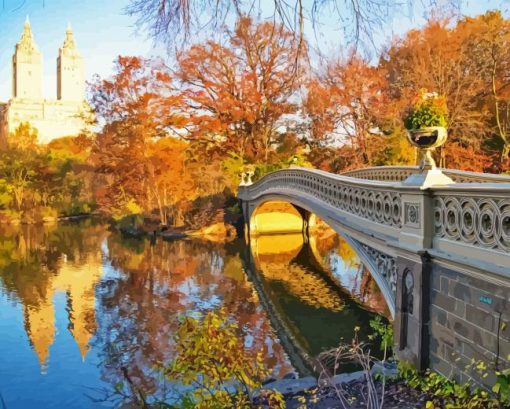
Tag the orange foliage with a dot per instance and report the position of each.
(141, 163)
(466, 158)
(238, 95)
(346, 103)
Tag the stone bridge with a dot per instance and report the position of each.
(440, 254)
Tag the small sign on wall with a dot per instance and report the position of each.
(484, 299)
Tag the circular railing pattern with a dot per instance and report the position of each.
(376, 203)
(383, 173)
(474, 214)
(400, 173)
(479, 221)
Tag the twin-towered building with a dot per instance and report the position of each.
(65, 116)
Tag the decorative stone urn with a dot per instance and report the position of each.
(246, 177)
(427, 140)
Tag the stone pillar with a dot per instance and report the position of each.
(305, 215)
(417, 220)
(248, 209)
(245, 208)
(412, 310)
(414, 270)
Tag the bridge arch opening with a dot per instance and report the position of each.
(276, 217)
(269, 215)
(398, 226)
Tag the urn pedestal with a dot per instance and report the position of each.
(427, 140)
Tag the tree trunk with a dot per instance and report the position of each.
(505, 153)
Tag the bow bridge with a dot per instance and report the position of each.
(439, 253)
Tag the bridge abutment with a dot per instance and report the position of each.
(412, 315)
(469, 322)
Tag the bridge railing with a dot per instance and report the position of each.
(440, 254)
(400, 173)
(472, 221)
(464, 222)
(372, 201)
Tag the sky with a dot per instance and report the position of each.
(103, 31)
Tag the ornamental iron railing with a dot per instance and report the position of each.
(400, 173)
(465, 222)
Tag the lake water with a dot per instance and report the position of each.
(81, 307)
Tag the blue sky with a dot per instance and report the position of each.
(102, 31)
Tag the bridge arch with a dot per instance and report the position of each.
(380, 263)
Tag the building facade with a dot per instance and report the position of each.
(68, 115)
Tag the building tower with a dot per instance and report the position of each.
(27, 67)
(70, 73)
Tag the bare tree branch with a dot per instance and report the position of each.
(173, 21)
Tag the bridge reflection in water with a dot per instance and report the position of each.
(315, 289)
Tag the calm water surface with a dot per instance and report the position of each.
(82, 307)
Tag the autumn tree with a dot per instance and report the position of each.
(347, 103)
(239, 94)
(435, 59)
(169, 21)
(169, 178)
(24, 137)
(468, 64)
(487, 39)
(136, 108)
(319, 107)
(38, 182)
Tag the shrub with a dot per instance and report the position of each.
(10, 216)
(47, 213)
(212, 358)
(446, 393)
(430, 110)
(384, 331)
(502, 386)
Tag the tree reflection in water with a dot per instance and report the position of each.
(124, 298)
(317, 288)
(139, 313)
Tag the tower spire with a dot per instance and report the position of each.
(26, 42)
(27, 66)
(70, 72)
(69, 40)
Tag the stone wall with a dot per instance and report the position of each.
(469, 319)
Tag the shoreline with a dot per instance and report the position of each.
(46, 220)
(217, 232)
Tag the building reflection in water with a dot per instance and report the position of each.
(78, 282)
(37, 263)
(124, 297)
